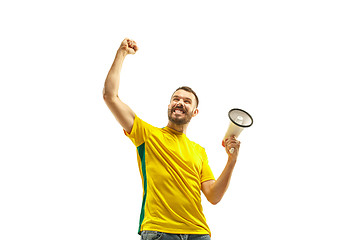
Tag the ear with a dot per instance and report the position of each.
(196, 112)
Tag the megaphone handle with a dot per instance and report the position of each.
(231, 150)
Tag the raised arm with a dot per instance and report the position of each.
(122, 112)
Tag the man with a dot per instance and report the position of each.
(173, 169)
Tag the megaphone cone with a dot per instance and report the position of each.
(239, 119)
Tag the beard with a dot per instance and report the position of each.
(179, 120)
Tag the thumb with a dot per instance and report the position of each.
(131, 51)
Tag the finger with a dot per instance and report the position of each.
(232, 137)
(231, 142)
(131, 51)
(228, 140)
(235, 145)
(130, 44)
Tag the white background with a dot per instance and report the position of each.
(68, 172)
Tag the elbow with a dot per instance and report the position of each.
(108, 97)
(105, 97)
(214, 202)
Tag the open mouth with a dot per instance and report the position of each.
(179, 111)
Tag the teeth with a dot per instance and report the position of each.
(178, 111)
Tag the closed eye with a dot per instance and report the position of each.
(186, 100)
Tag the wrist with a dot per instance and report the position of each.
(122, 52)
(232, 159)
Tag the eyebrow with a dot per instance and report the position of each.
(176, 96)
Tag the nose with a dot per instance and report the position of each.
(180, 103)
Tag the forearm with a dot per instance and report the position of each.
(219, 187)
(111, 87)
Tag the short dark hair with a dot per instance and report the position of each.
(188, 89)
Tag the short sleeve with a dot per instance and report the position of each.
(206, 173)
(139, 132)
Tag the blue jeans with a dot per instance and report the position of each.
(152, 235)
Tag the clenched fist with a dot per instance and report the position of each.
(129, 46)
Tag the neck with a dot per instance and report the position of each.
(179, 128)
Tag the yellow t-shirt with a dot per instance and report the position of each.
(172, 169)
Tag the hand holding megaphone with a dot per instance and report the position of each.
(231, 144)
(239, 119)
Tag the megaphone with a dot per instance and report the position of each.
(239, 119)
